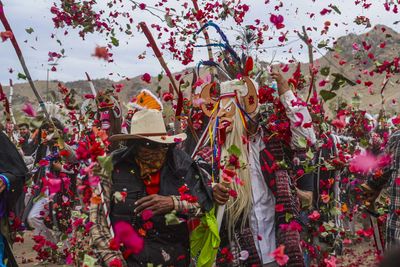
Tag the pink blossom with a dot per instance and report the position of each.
(147, 215)
(279, 255)
(325, 197)
(28, 110)
(368, 162)
(331, 262)
(314, 216)
(347, 241)
(396, 120)
(339, 123)
(52, 184)
(356, 47)
(126, 235)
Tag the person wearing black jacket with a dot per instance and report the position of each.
(156, 178)
(12, 178)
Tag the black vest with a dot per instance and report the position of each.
(167, 245)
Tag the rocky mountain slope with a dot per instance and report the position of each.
(352, 55)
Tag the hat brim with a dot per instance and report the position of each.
(163, 139)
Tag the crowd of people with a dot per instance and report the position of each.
(244, 174)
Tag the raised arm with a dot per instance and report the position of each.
(296, 112)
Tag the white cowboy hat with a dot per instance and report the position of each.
(149, 124)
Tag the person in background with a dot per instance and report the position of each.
(387, 178)
(38, 208)
(12, 178)
(26, 142)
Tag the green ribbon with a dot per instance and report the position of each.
(205, 240)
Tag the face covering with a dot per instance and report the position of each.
(150, 160)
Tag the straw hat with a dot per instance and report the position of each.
(149, 124)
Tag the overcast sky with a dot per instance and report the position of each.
(23, 14)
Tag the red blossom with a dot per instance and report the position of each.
(325, 11)
(147, 215)
(146, 78)
(43, 163)
(101, 52)
(277, 20)
(6, 35)
(279, 207)
(113, 245)
(233, 193)
(115, 263)
(167, 97)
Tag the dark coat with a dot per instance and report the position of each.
(179, 169)
(13, 167)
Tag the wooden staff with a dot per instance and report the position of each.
(14, 42)
(94, 92)
(10, 98)
(164, 65)
(206, 36)
(158, 54)
(306, 39)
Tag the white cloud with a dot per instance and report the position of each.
(35, 13)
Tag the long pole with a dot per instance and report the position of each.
(10, 99)
(160, 58)
(306, 39)
(92, 88)
(14, 42)
(99, 187)
(158, 54)
(47, 84)
(206, 36)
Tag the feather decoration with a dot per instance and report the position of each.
(211, 45)
(212, 64)
(227, 46)
(230, 69)
(248, 66)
